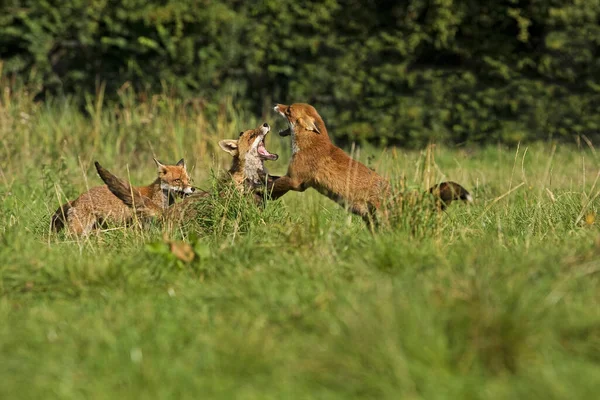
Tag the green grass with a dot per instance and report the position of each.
(498, 300)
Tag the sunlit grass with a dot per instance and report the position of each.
(499, 299)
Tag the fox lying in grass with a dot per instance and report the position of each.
(316, 162)
(247, 172)
(98, 205)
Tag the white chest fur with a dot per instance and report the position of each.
(295, 147)
(253, 169)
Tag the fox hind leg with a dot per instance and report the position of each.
(368, 212)
(80, 223)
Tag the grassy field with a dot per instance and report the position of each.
(498, 300)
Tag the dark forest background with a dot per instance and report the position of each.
(387, 72)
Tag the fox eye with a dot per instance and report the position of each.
(177, 180)
(241, 133)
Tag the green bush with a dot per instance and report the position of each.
(381, 71)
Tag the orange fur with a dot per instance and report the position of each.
(99, 205)
(317, 163)
(247, 172)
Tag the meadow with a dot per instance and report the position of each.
(494, 300)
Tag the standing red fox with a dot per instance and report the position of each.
(99, 205)
(316, 162)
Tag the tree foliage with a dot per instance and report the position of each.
(381, 71)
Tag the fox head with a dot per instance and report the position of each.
(302, 118)
(250, 145)
(174, 178)
(249, 153)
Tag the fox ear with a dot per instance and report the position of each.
(308, 124)
(230, 146)
(181, 163)
(161, 167)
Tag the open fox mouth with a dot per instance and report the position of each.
(263, 153)
(285, 132)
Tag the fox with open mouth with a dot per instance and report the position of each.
(249, 153)
(317, 163)
(247, 172)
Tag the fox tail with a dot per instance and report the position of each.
(447, 192)
(128, 195)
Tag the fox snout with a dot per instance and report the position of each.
(280, 108)
(182, 190)
(265, 128)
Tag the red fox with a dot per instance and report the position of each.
(247, 173)
(249, 154)
(99, 205)
(316, 162)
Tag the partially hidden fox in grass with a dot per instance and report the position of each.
(247, 173)
(317, 163)
(249, 153)
(99, 205)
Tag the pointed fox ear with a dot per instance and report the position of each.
(230, 146)
(181, 163)
(309, 124)
(161, 167)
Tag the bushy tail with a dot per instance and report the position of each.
(447, 192)
(59, 219)
(143, 205)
